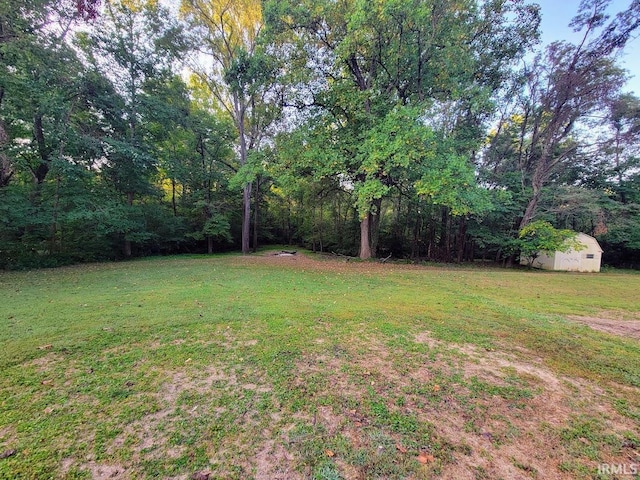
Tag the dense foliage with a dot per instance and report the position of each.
(390, 127)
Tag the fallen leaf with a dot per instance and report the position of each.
(200, 476)
(629, 444)
(46, 382)
(329, 453)
(46, 347)
(400, 448)
(7, 453)
(436, 388)
(487, 435)
(425, 458)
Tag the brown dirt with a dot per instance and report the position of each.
(498, 437)
(45, 363)
(329, 263)
(492, 439)
(514, 442)
(106, 472)
(8, 437)
(274, 462)
(609, 324)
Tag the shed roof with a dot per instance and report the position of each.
(589, 242)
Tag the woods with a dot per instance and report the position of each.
(420, 129)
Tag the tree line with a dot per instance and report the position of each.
(421, 129)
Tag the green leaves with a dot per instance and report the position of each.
(249, 72)
(450, 181)
(540, 236)
(366, 192)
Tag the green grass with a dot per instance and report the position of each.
(259, 367)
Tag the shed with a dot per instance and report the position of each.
(585, 260)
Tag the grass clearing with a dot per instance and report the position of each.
(311, 368)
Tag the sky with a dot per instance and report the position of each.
(556, 15)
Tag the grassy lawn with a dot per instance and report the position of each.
(312, 368)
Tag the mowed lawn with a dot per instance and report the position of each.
(308, 367)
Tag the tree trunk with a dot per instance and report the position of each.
(289, 227)
(246, 218)
(375, 226)
(40, 172)
(246, 194)
(365, 246)
(444, 218)
(256, 202)
(54, 219)
(320, 228)
(415, 245)
(6, 169)
(209, 245)
(531, 208)
(623, 196)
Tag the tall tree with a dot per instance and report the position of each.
(624, 144)
(134, 44)
(371, 61)
(194, 149)
(36, 94)
(228, 33)
(562, 87)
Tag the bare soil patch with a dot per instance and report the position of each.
(491, 435)
(610, 324)
(105, 472)
(45, 363)
(328, 263)
(274, 462)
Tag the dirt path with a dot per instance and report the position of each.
(616, 326)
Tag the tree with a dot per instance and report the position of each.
(564, 87)
(197, 157)
(540, 237)
(135, 44)
(623, 147)
(238, 75)
(36, 94)
(371, 63)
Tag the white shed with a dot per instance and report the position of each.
(585, 260)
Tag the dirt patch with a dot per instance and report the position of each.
(7, 436)
(45, 363)
(511, 428)
(148, 437)
(201, 382)
(274, 462)
(105, 472)
(330, 263)
(615, 326)
(494, 432)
